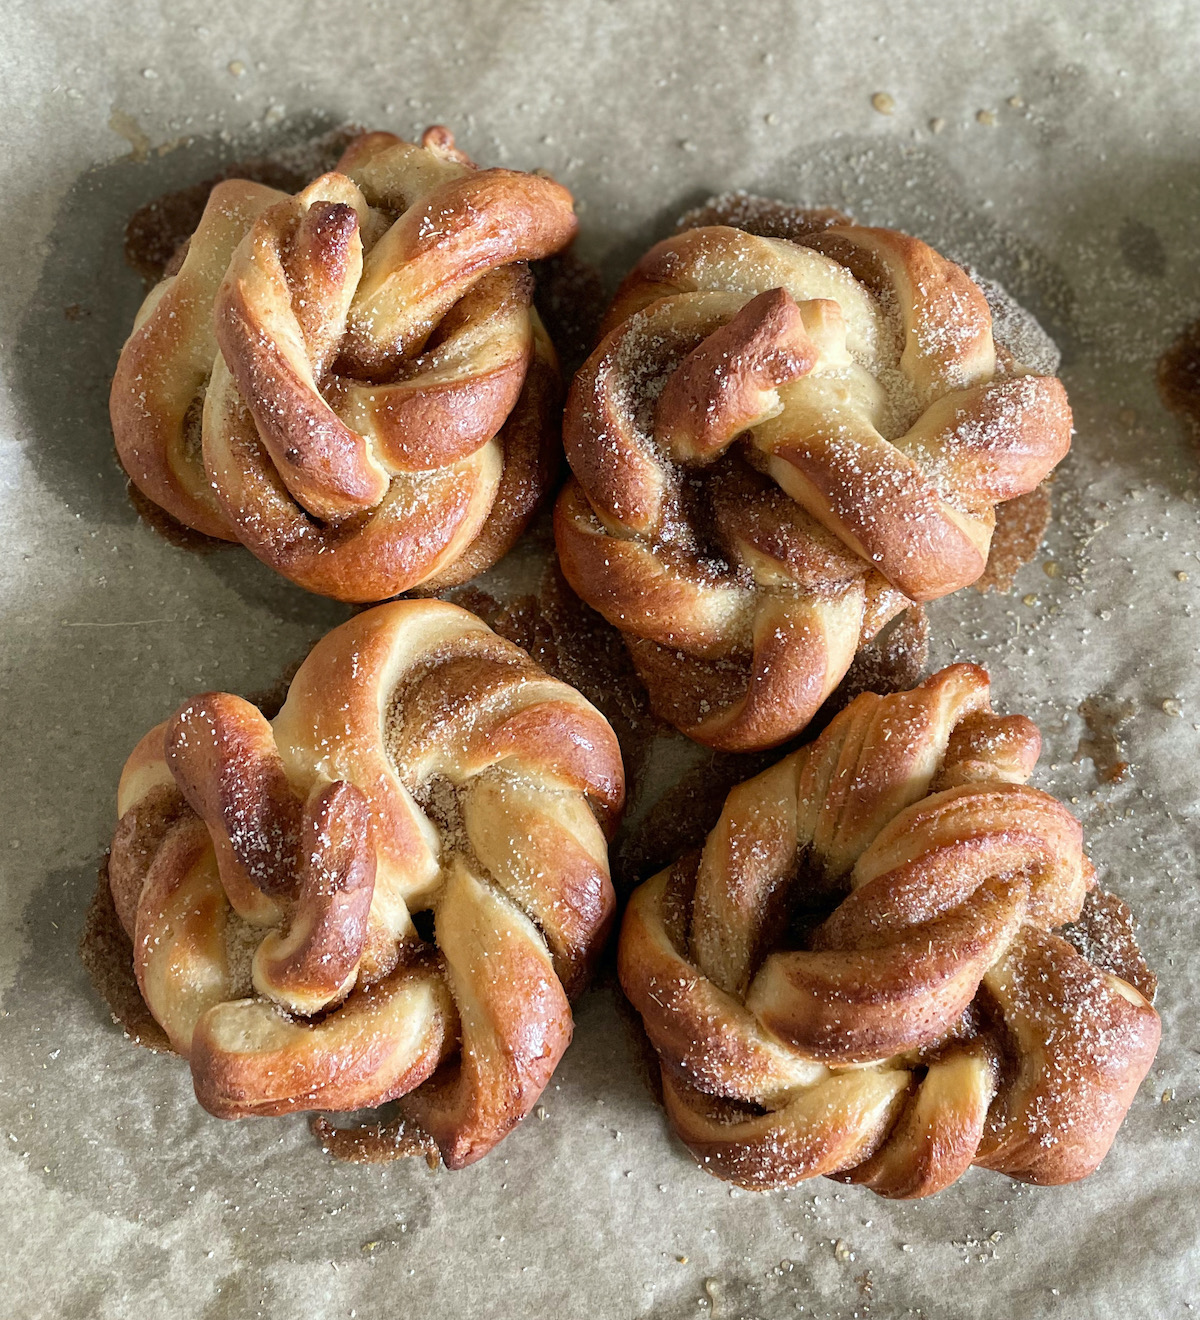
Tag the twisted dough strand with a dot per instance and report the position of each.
(158, 389)
(932, 1019)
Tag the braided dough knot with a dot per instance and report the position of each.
(776, 447)
(269, 874)
(379, 413)
(932, 1019)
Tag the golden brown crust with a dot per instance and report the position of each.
(932, 1019)
(846, 385)
(379, 415)
(269, 872)
(164, 367)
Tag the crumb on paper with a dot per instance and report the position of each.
(884, 103)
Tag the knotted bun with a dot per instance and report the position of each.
(268, 874)
(859, 974)
(777, 446)
(352, 381)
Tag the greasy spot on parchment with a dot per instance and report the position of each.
(1104, 744)
(1020, 526)
(107, 955)
(1106, 935)
(375, 1143)
(1179, 378)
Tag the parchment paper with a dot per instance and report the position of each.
(1064, 164)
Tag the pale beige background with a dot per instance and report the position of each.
(120, 1197)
